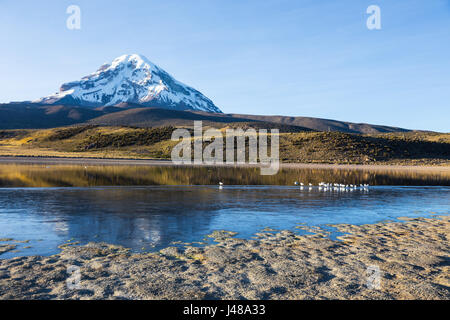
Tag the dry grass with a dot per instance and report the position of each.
(411, 148)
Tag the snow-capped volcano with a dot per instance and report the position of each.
(131, 79)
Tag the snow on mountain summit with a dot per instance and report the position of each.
(131, 79)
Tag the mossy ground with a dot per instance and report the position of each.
(412, 259)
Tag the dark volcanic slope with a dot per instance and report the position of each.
(148, 117)
(30, 116)
(323, 124)
(154, 117)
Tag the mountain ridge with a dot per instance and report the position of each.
(151, 117)
(130, 79)
(33, 116)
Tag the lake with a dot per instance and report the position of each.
(149, 208)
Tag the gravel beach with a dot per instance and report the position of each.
(410, 258)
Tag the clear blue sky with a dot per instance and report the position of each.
(299, 58)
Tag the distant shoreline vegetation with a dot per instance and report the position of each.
(402, 148)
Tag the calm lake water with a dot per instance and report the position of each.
(148, 208)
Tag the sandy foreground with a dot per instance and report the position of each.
(413, 258)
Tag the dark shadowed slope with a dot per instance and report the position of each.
(148, 117)
(323, 124)
(157, 117)
(30, 116)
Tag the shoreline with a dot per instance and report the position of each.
(156, 162)
(412, 256)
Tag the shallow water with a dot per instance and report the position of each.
(152, 217)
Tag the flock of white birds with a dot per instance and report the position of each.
(324, 186)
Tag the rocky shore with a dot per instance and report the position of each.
(393, 260)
